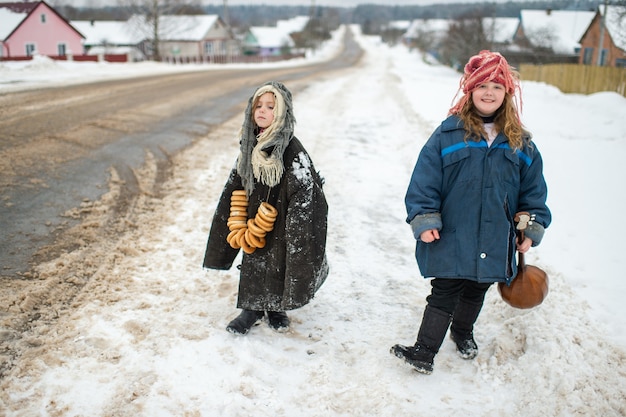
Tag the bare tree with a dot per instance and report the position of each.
(425, 40)
(147, 19)
(466, 37)
(620, 16)
(391, 35)
(542, 39)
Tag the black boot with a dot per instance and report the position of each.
(429, 338)
(242, 323)
(421, 358)
(462, 328)
(278, 320)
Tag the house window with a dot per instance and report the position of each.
(61, 49)
(620, 62)
(588, 56)
(208, 48)
(43, 18)
(30, 49)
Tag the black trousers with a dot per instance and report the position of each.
(447, 292)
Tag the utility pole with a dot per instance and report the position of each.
(226, 17)
(229, 42)
(312, 28)
(601, 44)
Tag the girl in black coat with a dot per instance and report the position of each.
(281, 268)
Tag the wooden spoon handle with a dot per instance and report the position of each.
(520, 255)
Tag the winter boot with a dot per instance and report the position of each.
(429, 338)
(462, 328)
(278, 320)
(242, 323)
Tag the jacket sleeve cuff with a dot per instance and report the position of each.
(535, 232)
(423, 222)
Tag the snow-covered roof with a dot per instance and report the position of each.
(171, 27)
(419, 26)
(560, 30)
(399, 24)
(10, 20)
(109, 32)
(293, 25)
(615, 21)
(111, 50)
(500, 29)
(271, 37)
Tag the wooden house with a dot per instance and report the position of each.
(31, 28)
(185, 38)
(606, 33)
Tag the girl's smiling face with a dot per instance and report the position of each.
(488, 98)
(264, 110)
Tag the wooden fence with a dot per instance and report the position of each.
(217, 59)
(77, 58)
(575, 78)
(229, 59)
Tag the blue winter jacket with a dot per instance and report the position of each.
(470, 192)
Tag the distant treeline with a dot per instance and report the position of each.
(371, 14)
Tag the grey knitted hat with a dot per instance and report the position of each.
(261, 155)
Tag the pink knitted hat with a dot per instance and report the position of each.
(482, 68)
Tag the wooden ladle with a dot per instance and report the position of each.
(530, 286)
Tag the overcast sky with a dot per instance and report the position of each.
(339, 3)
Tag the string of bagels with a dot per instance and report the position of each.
(249, 234)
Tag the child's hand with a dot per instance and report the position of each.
(525, 245)
(429, 236)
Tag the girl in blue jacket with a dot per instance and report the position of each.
(476, 171)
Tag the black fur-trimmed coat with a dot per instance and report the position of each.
(287, 272)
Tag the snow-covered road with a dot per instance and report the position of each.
(146, 337)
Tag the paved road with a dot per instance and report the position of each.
(58, 145)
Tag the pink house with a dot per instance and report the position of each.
(35, 27)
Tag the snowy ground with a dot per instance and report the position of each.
(147, 337)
